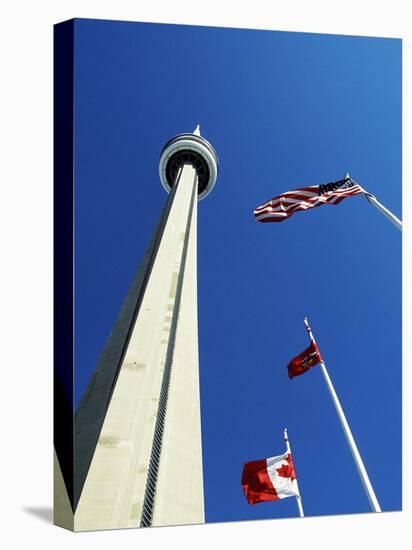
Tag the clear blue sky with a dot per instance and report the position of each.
(283, 110)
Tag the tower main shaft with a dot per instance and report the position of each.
(138, 453)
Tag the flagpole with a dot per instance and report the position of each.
(347, 431)
(387, 213)
(379, 206)
(298, 497)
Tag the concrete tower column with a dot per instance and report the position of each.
(138, 453)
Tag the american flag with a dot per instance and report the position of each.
(281, 207)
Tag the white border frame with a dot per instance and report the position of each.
(26, 295)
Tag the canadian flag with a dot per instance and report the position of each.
(269, 479)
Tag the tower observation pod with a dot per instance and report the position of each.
(137, 448)
(189, 150)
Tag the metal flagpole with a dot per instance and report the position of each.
(387, 213)
(374, 202)
(349, 437)
(298, 497)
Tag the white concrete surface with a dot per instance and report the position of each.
(113, 493)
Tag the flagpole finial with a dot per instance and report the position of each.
(285, 437)
(196, 131)
(347, 176)
(309, 330)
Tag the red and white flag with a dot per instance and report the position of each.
(283, 206)
(307, 359)
(304, 361)
(269, 479)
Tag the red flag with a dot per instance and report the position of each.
(269, 479)
(305, 360)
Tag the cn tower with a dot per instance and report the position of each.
(137, 446)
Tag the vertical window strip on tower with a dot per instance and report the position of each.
(148, 502)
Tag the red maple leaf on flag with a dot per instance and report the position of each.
(287, 470)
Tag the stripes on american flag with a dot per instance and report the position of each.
(283, 206)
